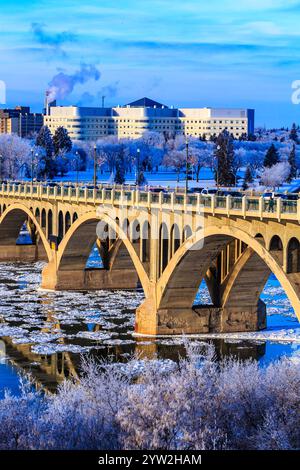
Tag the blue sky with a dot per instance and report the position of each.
(182, 53)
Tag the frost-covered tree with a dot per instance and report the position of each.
(79, 157)
(200, 155)
(195, 404)
(62, 163)
(175, 159)
(276, 174)
(15, 154)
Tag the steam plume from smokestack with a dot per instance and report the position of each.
(63, 84)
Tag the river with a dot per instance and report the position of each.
(45, 333)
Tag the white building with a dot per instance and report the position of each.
(138, 117)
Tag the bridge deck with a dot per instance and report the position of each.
(245, 206)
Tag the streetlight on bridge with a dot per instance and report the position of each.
(186, 164)
(95, 166)
(138, 151)
(217, 159)
(77, 166)
(1, 158)
(32, 151)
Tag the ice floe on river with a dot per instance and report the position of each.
(79, 322)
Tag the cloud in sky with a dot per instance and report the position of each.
(54, 41)
(201, 52)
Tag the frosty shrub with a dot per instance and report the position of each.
(197, 404)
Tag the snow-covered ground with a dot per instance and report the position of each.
(163, 178)
(168, 178)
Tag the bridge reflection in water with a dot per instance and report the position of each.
(48, 371)
(49, 321)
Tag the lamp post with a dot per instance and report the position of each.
(95, 166)
(36, 162)
(218, 148)
(31, 166)
(186, 164)
(137, 167)
(77, 170)
(1, 157)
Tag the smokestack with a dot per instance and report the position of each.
(48, 103)
(103, 98)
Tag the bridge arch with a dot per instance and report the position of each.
(37, 214)
(293, 256)
(146, 236)
(43, 219)
(275, 243)
(180, 281)
(11, 222)
(61, 225)
(77, 244)
(68, 222)
(49, 223)
(260, 238)
(163, 257)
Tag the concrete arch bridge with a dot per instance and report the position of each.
(165, 242)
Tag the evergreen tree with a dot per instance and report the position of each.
(251, 137)
(61, 141)
(44, 139)
(243, 137)
(120, 168)
(271, 157)
(141, 178)
(293, 133)
(80, 162)
(46, 165)
(292, 162)
(224, 154)
(248, 178)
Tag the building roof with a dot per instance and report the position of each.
(146, 103)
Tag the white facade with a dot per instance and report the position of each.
(132, 121)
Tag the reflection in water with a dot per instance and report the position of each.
(46, 332)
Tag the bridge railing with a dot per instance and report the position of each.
(245, 205)
(289, 207)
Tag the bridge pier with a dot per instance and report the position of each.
(87, 279)
(22, 253)
(199, 319)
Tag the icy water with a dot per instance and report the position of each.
(45, 333)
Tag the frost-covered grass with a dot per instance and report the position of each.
(196, 404)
